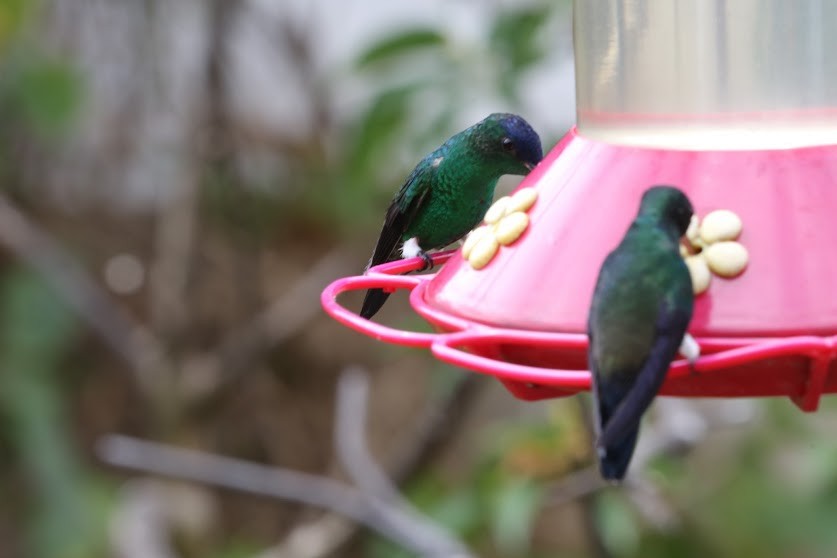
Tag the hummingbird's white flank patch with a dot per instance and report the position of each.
(689, 348)
(411, 248)
(437, 161)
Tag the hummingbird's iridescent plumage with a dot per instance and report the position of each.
(642, 305)
(449, 191)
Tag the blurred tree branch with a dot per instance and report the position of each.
(243, 347)
(237, 353)
(375, 503)
(437, 424)
(677, 429)
(350, 439)
(138, 528)
(137, 347)
(353, 454)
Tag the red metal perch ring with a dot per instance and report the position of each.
(483, 343)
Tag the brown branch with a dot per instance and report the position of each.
(314, 539)
(286, 316)
(129, 340)
(350, 437)
(678, 429)
(438, 424)
(173, 242)
(139, 526)
(435, 427)
(283, 318)
(389, 521)
(353, 453)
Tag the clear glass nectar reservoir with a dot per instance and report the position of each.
(707, 74)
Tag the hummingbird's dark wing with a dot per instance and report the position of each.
(400, 214)
(622, 422)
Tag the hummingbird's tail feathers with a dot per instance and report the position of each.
(626, 415)
(615, 458)
(372, 302)
(615, 442)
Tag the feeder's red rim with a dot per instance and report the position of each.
(458, 331)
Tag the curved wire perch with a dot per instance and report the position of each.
(798, 366)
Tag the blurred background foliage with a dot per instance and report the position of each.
(212, 165)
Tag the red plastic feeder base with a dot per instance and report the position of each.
(769, 332)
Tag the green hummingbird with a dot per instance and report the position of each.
(641, 307)
(449, 191)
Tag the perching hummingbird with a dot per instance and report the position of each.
(642, 305)
(449, 191)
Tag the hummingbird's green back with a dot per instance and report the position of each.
(644, 274)
(460, 189)
(641, 307)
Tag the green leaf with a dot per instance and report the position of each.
(377, 547)
(236, 548)
(515, 508)
(617, 524)
(381, 125)
(401, 44)
(13, 14)
(33, 319)
(36, 331)
(49, 95)
(514, 39)
(515, 34)
(458, 508)
(459, 512)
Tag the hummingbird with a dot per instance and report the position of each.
(641, 308)
(450, 190)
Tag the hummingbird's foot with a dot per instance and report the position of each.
(428, 261)
(411, 249)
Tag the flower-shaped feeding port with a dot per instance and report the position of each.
(505, 221)
(713, 248)
(769, 331)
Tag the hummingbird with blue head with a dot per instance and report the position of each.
(642, 305)
(450, 190)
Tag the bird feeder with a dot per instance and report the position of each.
(733, 102)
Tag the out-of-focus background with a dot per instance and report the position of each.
(181, 178)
